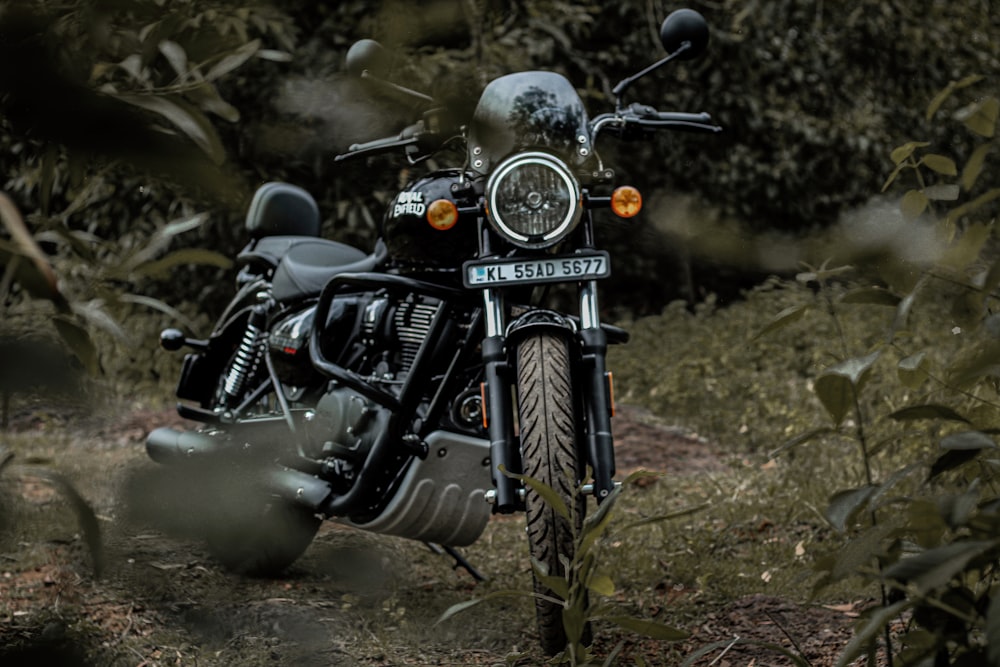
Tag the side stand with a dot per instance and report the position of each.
(460, 561)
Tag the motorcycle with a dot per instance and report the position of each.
(417, 390)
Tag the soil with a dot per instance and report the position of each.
(161, 600)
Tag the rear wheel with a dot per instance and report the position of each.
(548, 430)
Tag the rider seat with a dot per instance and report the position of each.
(308, 266)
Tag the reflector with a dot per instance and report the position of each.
(626, 201)
(442, 214)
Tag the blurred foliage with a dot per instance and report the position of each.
(918, 504)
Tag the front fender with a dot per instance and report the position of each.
(534, 321)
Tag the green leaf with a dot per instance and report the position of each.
(85, 515)
(913, 370)
(877, 296)
(837, 387)
(901, 153)
(79, 342)
(459, 607)
(726, 644)
(968, 440)
(951, 460)
(845, 505)
(554, 583)
(207, 97)
(981, 116)
(955, 215)
(233, 60)
(274, 55)
(548, 495)
(646, 628)
(974, 167)
(935, 568)
(175, 55)
(602, 585)
(156, 304)
(800, 439)
(903, 311)
(913, 204)
(868, 633)
(161, 267)
(659, 518)
(185, 118)
(940, 163)
(783, 319)
(940, 98)
(928, 411)
(942, 192)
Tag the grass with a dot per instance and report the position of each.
(759, 530)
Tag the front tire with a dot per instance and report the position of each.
(550, 454)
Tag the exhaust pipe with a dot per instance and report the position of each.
(300, 488)
(168, 445)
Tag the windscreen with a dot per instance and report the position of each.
(528, 110)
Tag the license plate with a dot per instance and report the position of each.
(567, 268)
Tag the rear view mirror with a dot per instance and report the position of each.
(367, 57)
(684, 27)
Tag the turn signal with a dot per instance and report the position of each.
(626, 202)
(442, 214)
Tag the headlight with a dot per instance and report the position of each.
(533, 200)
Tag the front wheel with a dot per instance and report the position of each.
(550, 453)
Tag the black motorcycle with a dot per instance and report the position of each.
(412, 390)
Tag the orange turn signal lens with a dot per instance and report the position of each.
(442, 214)
(626, 202)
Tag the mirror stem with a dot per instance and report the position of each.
(623, 85)
(397, 88)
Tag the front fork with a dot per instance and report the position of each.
(597, 443)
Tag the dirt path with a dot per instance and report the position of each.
(353, 599)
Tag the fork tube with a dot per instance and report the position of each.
(500, 421)
(597, 399)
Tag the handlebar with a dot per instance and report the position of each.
(636, 119)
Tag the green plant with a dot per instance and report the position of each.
(926, 533)
(584, 578)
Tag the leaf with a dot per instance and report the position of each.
(666, 517)
(903, 311)
(274, 55)
(548, 495)
(459, 607)
(85, 515)
(233, 60)
(175, 55)
(942, 192)
(877, 296)
(79, 342)
(646, 628)
(913, 370)
(727, 644)
(974, 167)
(951, 460)
(866, 634)
(940, 98)
(207, 97)
(185, 118)
(783, 319)
(845, 505)
(968, 440)
(928, 411)
(935, 568)
(800, 439)
(901, 153)
(554, 583)
(956, 214)
(602, 585)
(981, 116)
(913, 204)
(156, 304)
(940, 163)
(200, 256)
(837, 387)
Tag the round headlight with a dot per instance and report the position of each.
(533, 200)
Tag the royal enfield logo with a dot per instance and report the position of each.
(409, 203)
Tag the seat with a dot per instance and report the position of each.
(308, 266)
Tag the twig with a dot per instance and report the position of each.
(736, 639)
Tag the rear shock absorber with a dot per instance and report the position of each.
(248, 356)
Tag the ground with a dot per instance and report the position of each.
(353, 599)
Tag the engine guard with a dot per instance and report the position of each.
(442, 498)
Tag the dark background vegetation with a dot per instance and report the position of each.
(813, 96)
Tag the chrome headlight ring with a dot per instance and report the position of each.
(533, 200)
